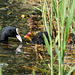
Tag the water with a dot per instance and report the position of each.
(21, 58)
(16, 57)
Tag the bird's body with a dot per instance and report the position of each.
(38, 38)
(71, 38)
(10, 32)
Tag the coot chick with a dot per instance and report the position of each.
(71, 38)
(10, 32)
(38, 38)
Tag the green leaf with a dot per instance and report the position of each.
(71, 70)
(63, 11)
(47, 44)
(69, 22)
(0, 69)
(38, 8)
(58, 53)
(54, 4)
(33, 72)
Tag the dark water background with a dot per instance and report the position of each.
(21, 58)
(16, 57)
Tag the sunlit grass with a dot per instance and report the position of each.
(33, 72)
(0, 69)
(60, 11)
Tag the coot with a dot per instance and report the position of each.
(10, 32)
(38, 38)
(71, 38)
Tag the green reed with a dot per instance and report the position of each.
(0, 69)
(49, 47)
(33, 72)
(60, 9)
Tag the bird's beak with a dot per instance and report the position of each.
(19, 38)
(27, 36)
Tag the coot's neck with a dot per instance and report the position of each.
(4, 39)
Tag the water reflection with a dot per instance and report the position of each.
(8, 56)
(18, 49)
(17, 58)
(9, 49)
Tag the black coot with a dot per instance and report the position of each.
(38, 38)
(71, 38)
(10, 32)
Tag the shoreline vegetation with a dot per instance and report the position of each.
(60, 9)
(57, 14)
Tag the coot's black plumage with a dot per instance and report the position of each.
(71, 38)
(38, 38)
(10, 32)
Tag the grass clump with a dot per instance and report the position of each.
(62, 11)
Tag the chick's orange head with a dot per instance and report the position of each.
(69, 40)
(26, 36)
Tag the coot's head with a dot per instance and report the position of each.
(10, 32)
(35, 39)
(31, 34)
(28, 37)
(70, 37)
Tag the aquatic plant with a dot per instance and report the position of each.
(60, 9)
(0, 69)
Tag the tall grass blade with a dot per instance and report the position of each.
(45, 22)
(58, 23)
(47, 45)
(54, 4)
(0, 69)
(69, 20)
(71, 70)
(63, 11)
(33, 72)
(60, 60)
(62, 16)
(38, 8)
(58, 53)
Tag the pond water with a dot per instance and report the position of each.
(22, 58)
(16, 57)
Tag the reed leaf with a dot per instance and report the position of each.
(71, 70)
(63, 11)
(38, 8)
(0, 69)
(58, 53)
(47, 44)
(49, 47)
(33, 72)
(54, 4)
(69, 20)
